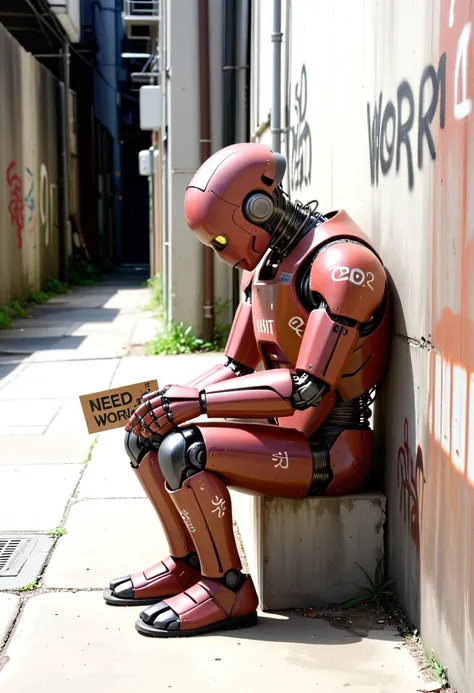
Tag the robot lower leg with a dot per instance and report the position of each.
(180, 568)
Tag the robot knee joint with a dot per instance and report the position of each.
(134, 448)
(182, 454)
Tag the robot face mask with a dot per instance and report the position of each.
(230, 199)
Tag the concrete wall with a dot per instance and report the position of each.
(29, 155)
(183, 257)
(379, 121)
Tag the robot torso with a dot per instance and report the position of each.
(281, 304)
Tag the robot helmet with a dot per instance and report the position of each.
(230, 199)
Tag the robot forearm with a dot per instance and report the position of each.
(264, 395)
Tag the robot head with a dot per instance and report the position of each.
(230, 199)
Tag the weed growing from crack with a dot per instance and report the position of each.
(58, 532)
(379, 589)
(91, 450)
(29, 587)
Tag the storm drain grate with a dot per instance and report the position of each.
(14, 552)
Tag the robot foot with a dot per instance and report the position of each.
(208, 606)
(165, 579)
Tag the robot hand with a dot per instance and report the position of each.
(164, 410)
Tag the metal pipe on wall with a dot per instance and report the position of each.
(65, 236)
(229, 120)
(205, 142)
(165, 226)
(277, 38)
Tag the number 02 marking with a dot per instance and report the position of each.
(356, 276)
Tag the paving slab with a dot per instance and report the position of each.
(28, 331)
(12, 412)
(21, 430)
(34, 497)
(29, 345)
(60, 449)
(85, 645)
(109, 474)
(60, 380)
(9, 605)
(70, 418)
(66, 313)
(106, 538)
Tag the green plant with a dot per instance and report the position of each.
(438, 670)
(82, 273)
(16, 309)
(378, 591)
(53, 287)
(91, 449)
(37, 297)
(5, 318)
(177, 339)
(156, 300)
(9, 312)
(58, 532)
(29, 587)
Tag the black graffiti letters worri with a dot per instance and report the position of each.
(390, 127)
(301, 145)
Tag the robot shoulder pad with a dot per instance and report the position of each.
(350, 278)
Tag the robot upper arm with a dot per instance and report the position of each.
(350, 283)
(351, 280)
(241, 346)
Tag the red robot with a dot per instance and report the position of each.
(316, 317)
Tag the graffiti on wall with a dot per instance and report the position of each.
(20, 206)
(30, 199)
(400, 130)
(16, 205)
(301, 145)
(410, 477)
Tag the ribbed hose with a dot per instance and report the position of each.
(353, 414)
(290, 221)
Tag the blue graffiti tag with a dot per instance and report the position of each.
(29, 199)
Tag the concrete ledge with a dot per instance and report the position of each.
(302, 553)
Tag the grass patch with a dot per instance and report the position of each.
(80, 274)
(29, 587)
(378, 589)
(156, 301)
(58, 532)
(178, 338)
(91, 449)
(83, 273)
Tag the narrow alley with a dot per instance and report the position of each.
(54, 481)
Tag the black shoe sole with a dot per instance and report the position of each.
(230, 624)
(112, 600)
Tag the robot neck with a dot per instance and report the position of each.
(289, 222)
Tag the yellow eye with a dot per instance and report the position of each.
(219, 242)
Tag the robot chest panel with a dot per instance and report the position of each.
(279, 320)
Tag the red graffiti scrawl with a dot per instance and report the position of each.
(410, 481)
(16, 205)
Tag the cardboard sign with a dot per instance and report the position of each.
(112, 408)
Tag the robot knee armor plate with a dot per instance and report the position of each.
(135, 448)
(182, 454)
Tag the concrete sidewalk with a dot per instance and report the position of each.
(60, 637)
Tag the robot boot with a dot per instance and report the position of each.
(176, 571)
(224, 598)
